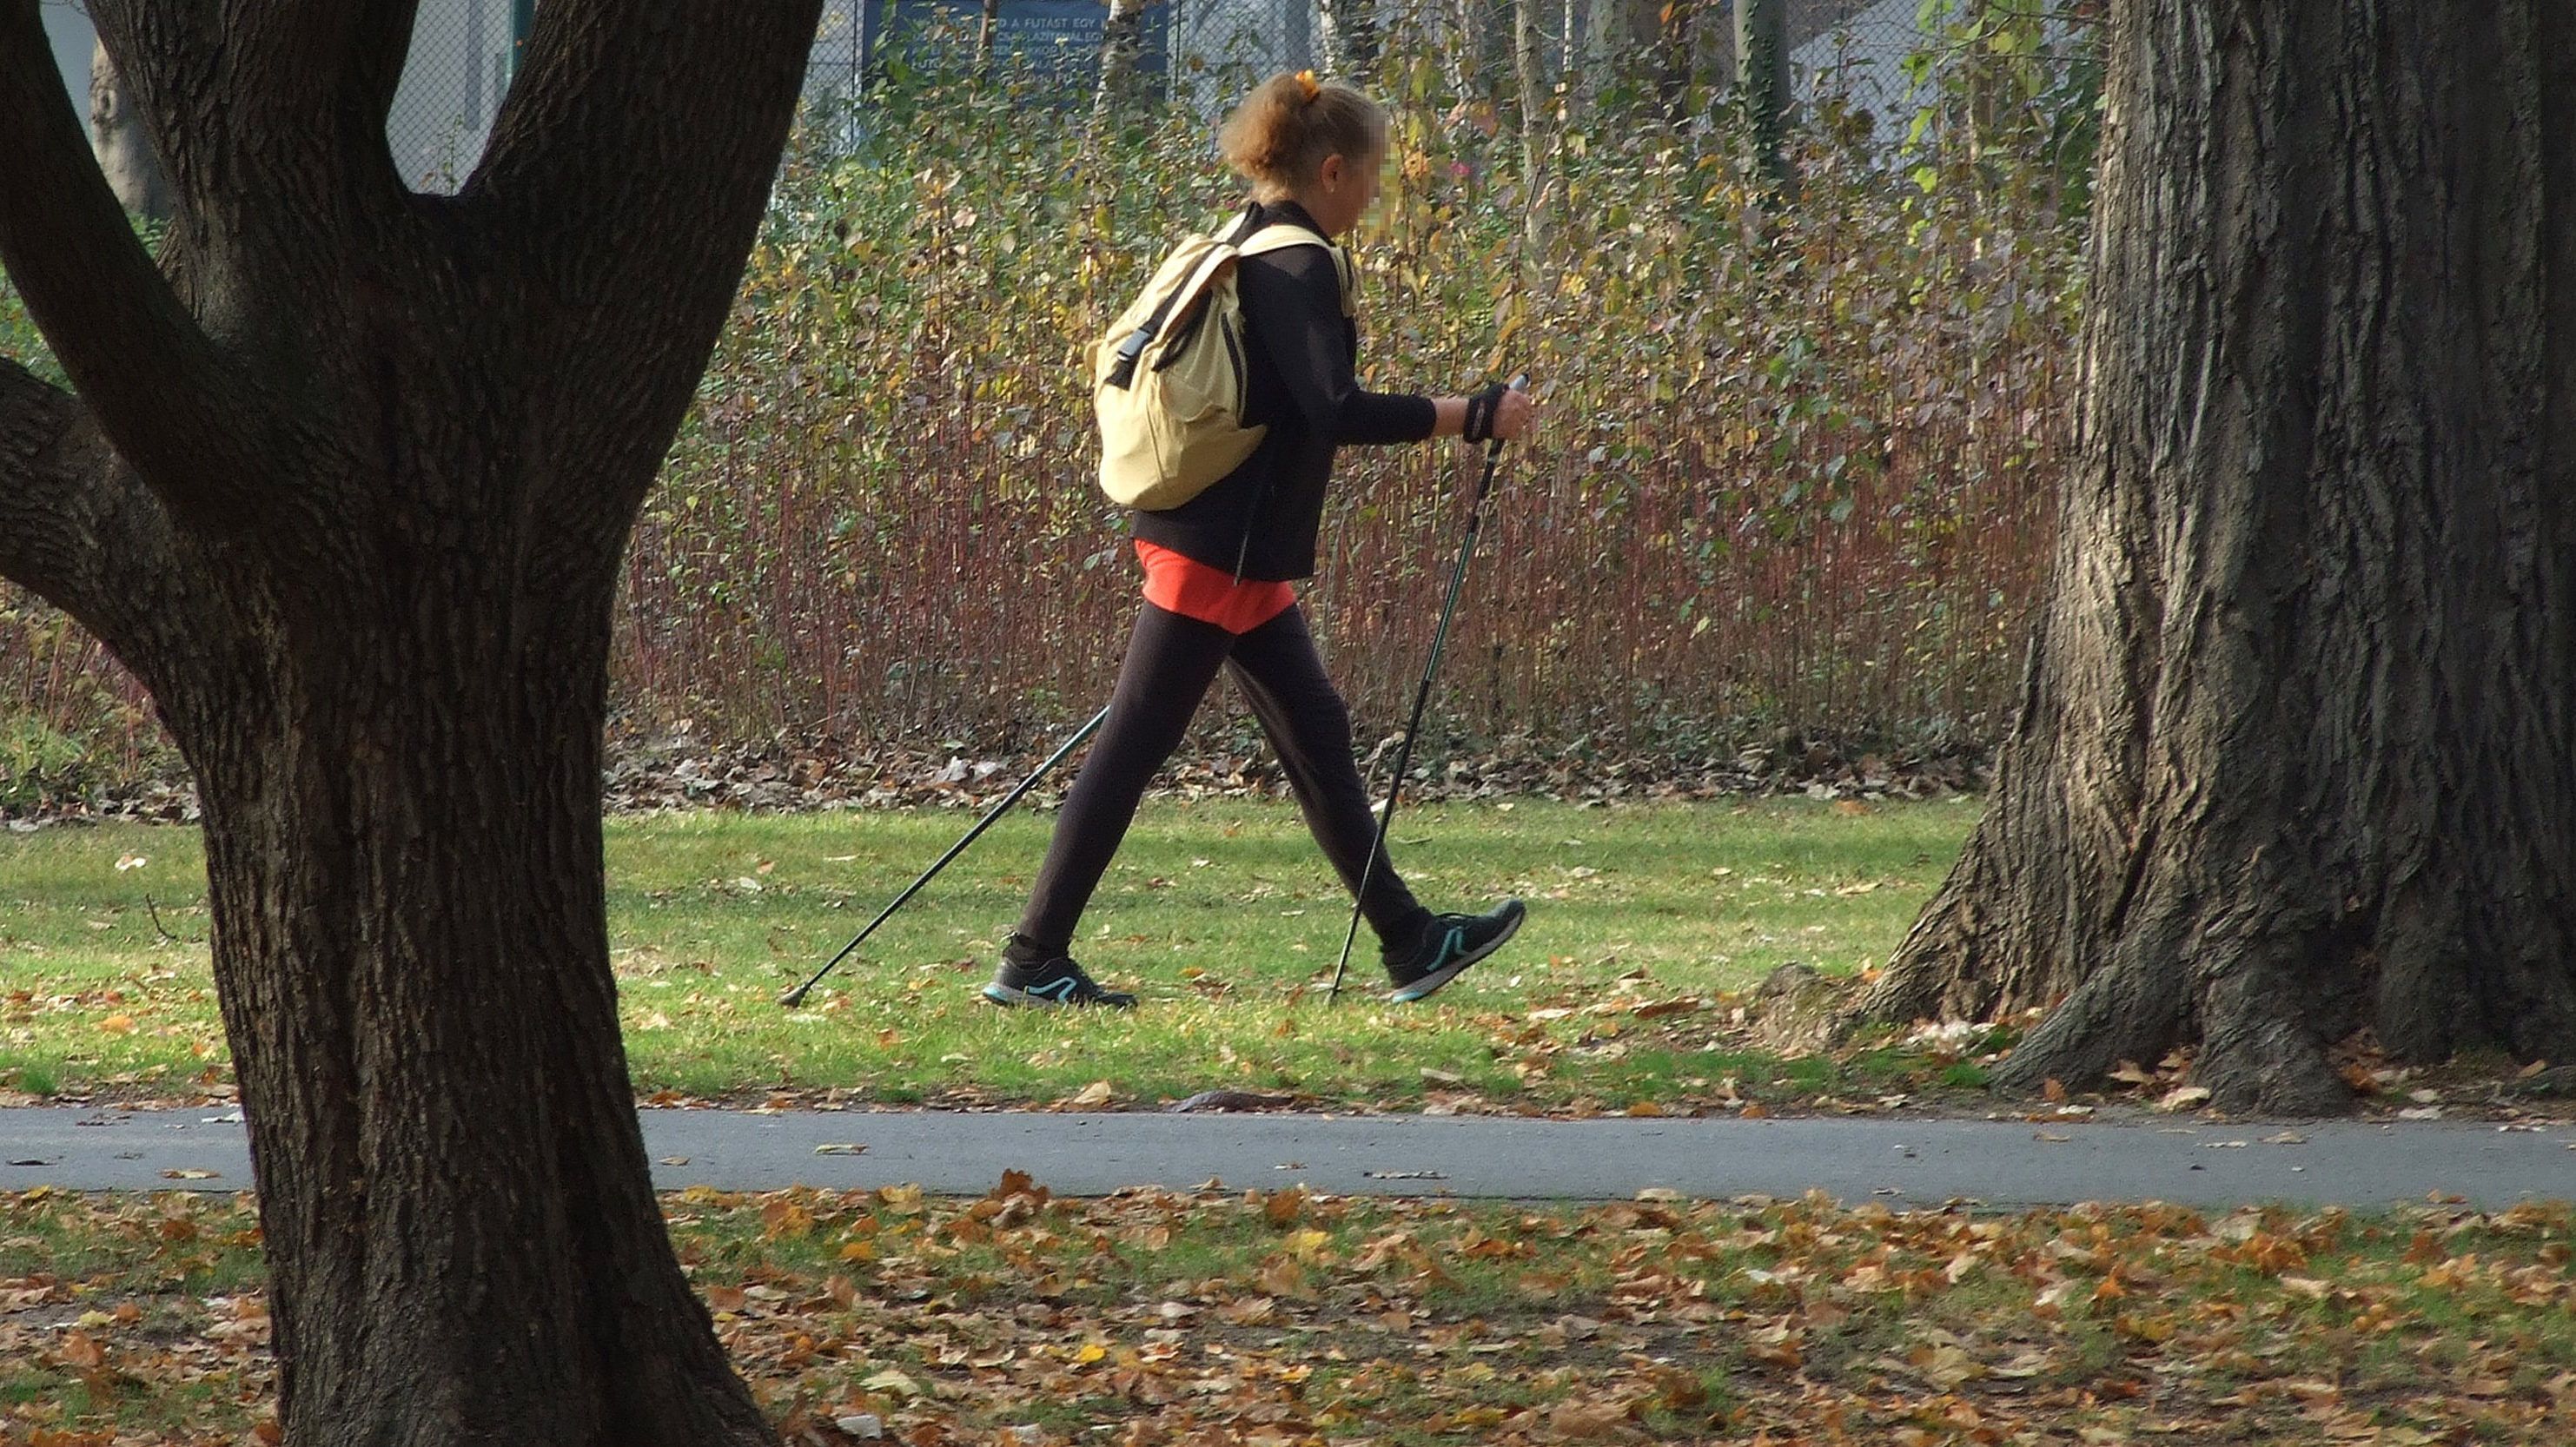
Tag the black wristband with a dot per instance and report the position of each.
(1480, 412)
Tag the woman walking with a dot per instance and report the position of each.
(1220, 568)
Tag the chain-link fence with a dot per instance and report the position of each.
(1877, 56)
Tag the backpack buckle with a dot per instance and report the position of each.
(1129, 350)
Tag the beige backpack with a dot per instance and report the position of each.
(1168, 378)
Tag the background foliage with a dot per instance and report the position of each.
(1795, 475)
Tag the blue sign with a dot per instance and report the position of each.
(1060, 38)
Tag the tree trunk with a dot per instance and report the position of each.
(347, 488)
(1121, 37)
(1464, 58)
(2297, 751)
(1529, 71)
(403, 853)
(1347, 32)
(1762, 84)
(124, 151)
(1676, 58)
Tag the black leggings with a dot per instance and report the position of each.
(1170, 662)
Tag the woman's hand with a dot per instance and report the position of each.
(1496, 412)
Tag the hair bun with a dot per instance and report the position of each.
(1308, 86)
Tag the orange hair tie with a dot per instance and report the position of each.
(1306, 82)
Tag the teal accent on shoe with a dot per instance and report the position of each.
(1455, 955)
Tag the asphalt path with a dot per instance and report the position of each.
(1896, 1162)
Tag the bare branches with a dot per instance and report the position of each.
(151, 378)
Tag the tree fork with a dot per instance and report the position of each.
(348, 489)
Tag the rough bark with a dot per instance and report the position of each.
(348, 487)
(2297, 752)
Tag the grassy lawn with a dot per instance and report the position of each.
(1153, 1318)
(1644, 919)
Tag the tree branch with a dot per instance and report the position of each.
(629, 111)
(76, 526)
(236, 93)
(626, 178)
(153, 381)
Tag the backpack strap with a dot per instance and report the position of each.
(1283, 235)
(1181, 297)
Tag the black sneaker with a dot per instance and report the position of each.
(1450, 943)
(1051, 982)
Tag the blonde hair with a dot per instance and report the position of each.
(1278, 137)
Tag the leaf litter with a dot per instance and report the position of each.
(1285, 1317)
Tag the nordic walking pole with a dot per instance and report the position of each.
(796, 997)
(1421, 697)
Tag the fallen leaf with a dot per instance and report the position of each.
(840, 1148)
(1583, 1421)
(891, 1380)
(2183, 1098)
(1097, 1093)
(191, 1173)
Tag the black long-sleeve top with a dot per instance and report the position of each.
(1259, 521)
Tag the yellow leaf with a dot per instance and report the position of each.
(895, 1382)
(117, 1024)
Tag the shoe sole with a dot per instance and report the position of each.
(1431, 984)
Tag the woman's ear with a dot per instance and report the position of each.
(1332, 172)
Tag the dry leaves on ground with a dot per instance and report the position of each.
(1290, 1318)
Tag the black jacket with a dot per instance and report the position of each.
(1259, 520)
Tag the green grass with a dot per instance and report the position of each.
(1216, 911)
